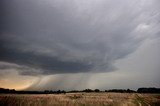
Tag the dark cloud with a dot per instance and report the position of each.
(71, 36)
(50, 65)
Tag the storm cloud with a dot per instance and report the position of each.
(74, 36)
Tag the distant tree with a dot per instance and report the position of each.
(120, 90)
(74, 91)
(148, 90)
(48, 91)
(63, 91)
(88, 90)
(60, 91)
(96, 90)
(3, 90)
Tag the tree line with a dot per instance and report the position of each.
(140, 90)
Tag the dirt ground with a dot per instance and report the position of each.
(80, 99)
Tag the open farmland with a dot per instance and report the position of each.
(80, 99)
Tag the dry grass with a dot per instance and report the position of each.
(80, 99)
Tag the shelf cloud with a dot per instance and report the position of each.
(46, 37)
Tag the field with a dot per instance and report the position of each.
(80, 99)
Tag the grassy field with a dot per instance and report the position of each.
(80, 99)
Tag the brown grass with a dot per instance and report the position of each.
(80, 99)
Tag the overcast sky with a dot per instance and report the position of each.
(78, 44)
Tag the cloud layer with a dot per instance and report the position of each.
(58, 36)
